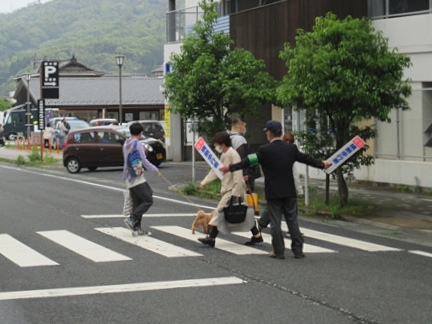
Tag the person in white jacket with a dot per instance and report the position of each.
(232, 185)
(48, 135)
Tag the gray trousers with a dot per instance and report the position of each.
(142, 198)
(288, 208)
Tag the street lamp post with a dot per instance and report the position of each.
(28, 113)
(120, 59)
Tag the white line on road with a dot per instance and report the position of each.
(86, 248)
(101, 186)
(429, 255)
(21, 254)
(307, 248)
(221, 244)
(341, 240)
(149, 243)
(145, 215)
(134, 287)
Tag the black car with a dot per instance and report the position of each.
(103, 147)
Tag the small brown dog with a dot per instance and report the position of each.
(202, 219)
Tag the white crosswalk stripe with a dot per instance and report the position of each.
(149, 243)
(429, 255)
(307, 248)
(86, 248)
(221, 244)
(21, 254)
(342, 240)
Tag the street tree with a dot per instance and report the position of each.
(5, 104)
(342, 73)
(210, 81)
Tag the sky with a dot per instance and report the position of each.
(7, 6)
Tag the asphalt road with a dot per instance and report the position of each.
(344, 279)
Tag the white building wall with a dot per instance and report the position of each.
(175, 142)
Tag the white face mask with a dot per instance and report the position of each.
(244, 131)
(218, 149)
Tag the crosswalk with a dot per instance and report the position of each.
(24, 255)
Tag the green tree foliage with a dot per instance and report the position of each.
(341, 73)
(4, 104)
(210, 82)
(95, 31)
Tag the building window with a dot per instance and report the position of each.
(405, 6)
(381, 8)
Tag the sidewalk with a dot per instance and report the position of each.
(12, 154)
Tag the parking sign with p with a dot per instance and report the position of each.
(50, 80)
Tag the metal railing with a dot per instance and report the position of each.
(180, 22)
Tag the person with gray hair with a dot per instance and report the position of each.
(239, 143)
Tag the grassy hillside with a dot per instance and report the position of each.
(94, 30)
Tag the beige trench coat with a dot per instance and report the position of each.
(232, 183)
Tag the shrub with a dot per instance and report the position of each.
(20, 160)
(34, 157)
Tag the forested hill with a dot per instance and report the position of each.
(94, 30)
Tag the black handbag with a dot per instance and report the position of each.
(235, 212)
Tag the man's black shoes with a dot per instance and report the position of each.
(207, 241)
(299, 255)
(254, 240)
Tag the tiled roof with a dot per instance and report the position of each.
(67, 67)
(104, 91)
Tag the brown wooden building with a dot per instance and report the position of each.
(265, 29)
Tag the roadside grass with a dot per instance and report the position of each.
(211, 191)
(355, 207)
(35, 160)
(316, 207)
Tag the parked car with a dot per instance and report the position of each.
(77, 124)
(152, 128)
(101, 146)
(103, 122)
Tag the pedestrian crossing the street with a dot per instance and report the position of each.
(26, 256)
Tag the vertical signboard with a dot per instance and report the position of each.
(50, 80)
(209, 156)
(344, 153)
(41, 114)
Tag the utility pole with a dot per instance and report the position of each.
(28, 113)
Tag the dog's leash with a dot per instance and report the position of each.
(181, 193)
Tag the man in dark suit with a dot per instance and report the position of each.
(277, 159)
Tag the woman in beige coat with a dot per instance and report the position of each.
(232, 185)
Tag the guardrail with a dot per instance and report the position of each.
(28, 144)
